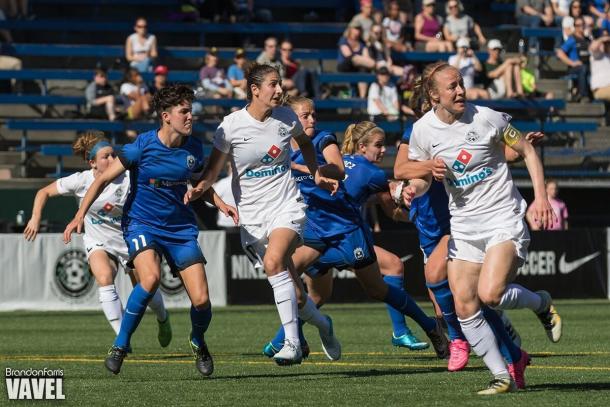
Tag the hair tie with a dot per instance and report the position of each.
(97, 147)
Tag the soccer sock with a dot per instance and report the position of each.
(444, 299)
(311, 314)
(111, 305)
(156, 304)
(134, 311)
(516, 296)
(405, 304)
(508, 349)
(482, 340)
(286, 302)
(399, 325)
(200, 320)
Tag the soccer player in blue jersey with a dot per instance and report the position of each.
(157, 221)
(331, 161)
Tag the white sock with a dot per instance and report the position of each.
(483, 342)
(111, 305)
(517, 296)
(156, 304)
(286, 302)
(311, 314)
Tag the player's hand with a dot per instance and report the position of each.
(75, 225)
(535, 137)
(230, 212)
(31, 229)
(329, 184)
(192, 195)
(544, 216)
(408, 193)
(396, 188)
(439, 169)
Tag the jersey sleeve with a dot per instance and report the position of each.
(378, 182)
(221, 137)
(326, 140)
(71, 184)
(417, 147)
(406, 135)
(499, 121)
(131, 153)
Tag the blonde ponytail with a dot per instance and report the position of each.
(356, 134)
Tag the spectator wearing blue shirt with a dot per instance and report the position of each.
(236, 76)
(574, 52)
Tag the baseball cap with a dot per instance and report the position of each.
(463, 43)
(161, 70)
(428, 2)
(494, 44)
(240, 53)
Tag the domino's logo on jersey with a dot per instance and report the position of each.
(273, 153)
(462, 160)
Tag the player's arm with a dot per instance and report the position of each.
(542, 211)
(213, 198)
(208, 178)
(94, 191)
(309, 156)
(334, 168)
(405, 169)
(43, 194)
(534, 137)
(416, 188)
(389, 207)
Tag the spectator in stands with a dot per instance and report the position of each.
(534, 13)
(236, 75)
(600, 10)
(353, 55)
(576, 10)
(560, 9)
(141, 47)
(469, 65)
(160, 79)
(394, 29)
(428, 30)
(298, 80)
(364, 19)
(100, 97)
(559, 208)
(504, 76)
(383, 97)
(16, 9)
(458, 25)
(8, 62)
(136, 96)
(600, 68)
(574, 52)
(214, 82)
(269, 56)
(380, 52)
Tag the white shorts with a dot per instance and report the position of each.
(255, 238)
(474, 249)
(115, 247)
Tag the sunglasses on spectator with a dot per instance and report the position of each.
(452, 6)
(141, 26)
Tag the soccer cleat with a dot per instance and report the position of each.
(517, 370)
(165, 331)
(409, 341)
(498, 386)
(550, 318)
(330, 343)
(115, 357)
(270, 350)
(459, 353)
(203, 360)
(290, 354)
(439, 341)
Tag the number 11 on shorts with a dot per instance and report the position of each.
(137, 244)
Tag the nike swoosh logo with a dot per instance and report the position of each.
(247, 138)
(436, 145)
(566, 267)
(278, 303)
(405, 258)
(89, 249)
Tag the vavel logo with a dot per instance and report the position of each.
(544, 263)
(34, 384)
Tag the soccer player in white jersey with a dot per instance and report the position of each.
(103, 237)
(271, 209)
(489, 237)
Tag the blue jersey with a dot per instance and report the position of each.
(329, 214)
(363, 179)
(159, 177)
(430, 212)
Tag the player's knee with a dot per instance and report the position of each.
(273, 264)
(394, 267)
(201, 303)
(435, 272)
(149, 282)
(490, 297)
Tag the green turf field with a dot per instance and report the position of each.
(576, 371)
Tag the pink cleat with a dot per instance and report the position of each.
(459, 351)
(517, 370)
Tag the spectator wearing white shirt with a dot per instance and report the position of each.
(383, 97)
(600, 67)
(468, 64)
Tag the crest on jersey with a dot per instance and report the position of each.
(190, 162)
(472, 136)
(119, 192)
(273, 153)
(358, 253)
(462, 160)
(282, 131)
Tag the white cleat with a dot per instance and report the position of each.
(290, 354)
(330, 343)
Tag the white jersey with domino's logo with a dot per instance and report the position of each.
(260, 159)
(482, 195)
(103, 219)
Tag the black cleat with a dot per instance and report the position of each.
(203, 360)
(439, 341)
(114, 360)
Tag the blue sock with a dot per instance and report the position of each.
(405, 304)
(134, 311)
(278, 340)
(399, 325)
(200, 320)
(444, 299)
(508, 349)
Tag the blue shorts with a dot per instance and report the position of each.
(179, 252)
(428, 244)
(348, 250)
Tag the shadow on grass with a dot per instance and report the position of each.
(568, 387)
